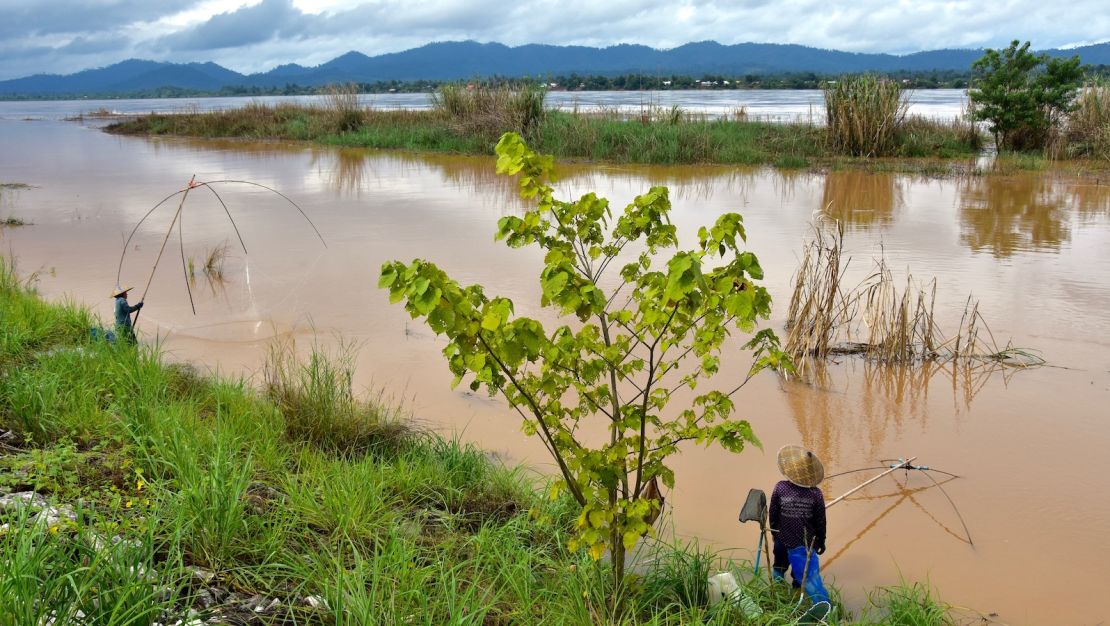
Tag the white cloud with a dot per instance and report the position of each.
(254, 35)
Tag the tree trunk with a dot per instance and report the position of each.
(616, 552)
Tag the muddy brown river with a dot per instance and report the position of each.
(1034, 249)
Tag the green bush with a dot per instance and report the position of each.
(1023, 97)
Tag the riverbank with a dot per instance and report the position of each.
(136, 490)
(655, 136)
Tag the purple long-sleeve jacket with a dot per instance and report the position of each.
(797, 515)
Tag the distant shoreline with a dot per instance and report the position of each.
(918, 80)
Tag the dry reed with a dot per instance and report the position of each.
(1087, 131)
(818, 306)
(876, 319)
(490, 111)
(341, 101)
(214, 261)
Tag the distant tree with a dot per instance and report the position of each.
(1023, 96)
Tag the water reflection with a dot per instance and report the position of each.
(903, 495)
(348, 170)
(862, 199)
(343, 168)
(860, 402)
(1006, 214)
(1090, 198)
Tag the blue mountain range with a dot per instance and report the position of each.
(468, 59)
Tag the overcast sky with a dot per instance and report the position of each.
(65, 36)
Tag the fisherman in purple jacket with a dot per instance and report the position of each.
(797, 520)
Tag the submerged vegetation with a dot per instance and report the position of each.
(877, 320)
(12, 220)
(136, 491)
(469, 119)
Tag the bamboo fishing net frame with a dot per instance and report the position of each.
(178, 220)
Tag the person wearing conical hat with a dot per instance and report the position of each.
(124, 327)
(797, 521)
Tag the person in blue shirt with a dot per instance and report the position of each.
(124, 327)
(797, 519)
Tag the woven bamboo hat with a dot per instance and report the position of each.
(800, 466)
(120, 291)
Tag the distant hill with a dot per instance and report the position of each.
(467, 59)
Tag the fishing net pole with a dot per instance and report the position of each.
(178, 220)
(169, 231)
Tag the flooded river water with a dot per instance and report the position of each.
(1033, 248)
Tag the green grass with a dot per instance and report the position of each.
(909, 604)
(666, 138)
(291, 488)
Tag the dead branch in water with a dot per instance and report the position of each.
(875, 319)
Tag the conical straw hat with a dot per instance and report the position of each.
(800, 466)
(120, 291)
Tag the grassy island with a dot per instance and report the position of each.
(470, 122)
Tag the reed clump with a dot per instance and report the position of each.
(214, 262)
(341, 102)
(316, 398)
(1087, 127)
(489, 111)
(878, 320)
(922, 137)
(864, 115)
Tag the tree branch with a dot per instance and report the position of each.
(617, 434)
(595, 405)
(643, 421)
(571, 483)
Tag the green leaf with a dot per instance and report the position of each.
(630, 539)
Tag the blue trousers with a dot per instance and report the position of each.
(801, 569)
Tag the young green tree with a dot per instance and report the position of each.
(1023, 96)
(625, 351)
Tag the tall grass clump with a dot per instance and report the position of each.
(341, 103)
(489, 111)
(864, 114)
(1087, 131)
(922, 137)
(316, 398)
(906, 605)
(28, 324)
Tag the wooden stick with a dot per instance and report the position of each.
(767, 551)
(902, 465)
(169, 231)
